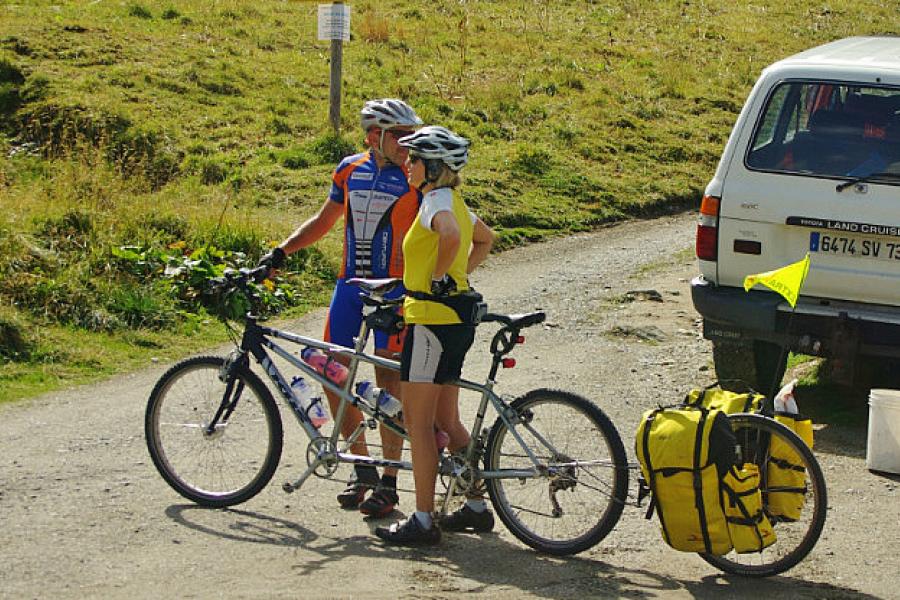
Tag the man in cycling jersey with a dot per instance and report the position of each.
(371, 192)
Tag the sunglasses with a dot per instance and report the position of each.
(395, 133)
(414, 158)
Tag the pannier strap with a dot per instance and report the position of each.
(698, 480)
(783, 464)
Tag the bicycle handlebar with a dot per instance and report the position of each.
(236, 280)
(239, 278)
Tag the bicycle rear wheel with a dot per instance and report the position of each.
(578, 488)
(797, 533)
(237, 459)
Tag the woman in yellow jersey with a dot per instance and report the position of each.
(445, 243)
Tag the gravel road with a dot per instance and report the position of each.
(83, 513)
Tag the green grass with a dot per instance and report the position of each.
(189, 123)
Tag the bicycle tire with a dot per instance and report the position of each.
(595, 490)
(234, 463)
(795, 538)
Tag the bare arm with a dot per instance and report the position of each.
(313, 228)
(445, 225)
(482, 241)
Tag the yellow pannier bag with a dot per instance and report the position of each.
(727, 402)
(683, 454)
(785, 475)
(750, 529)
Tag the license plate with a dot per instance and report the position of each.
(859, 247)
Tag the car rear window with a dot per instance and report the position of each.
(828, 129)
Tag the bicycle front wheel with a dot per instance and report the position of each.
(225, 464)
(793, 495)
(570, 492)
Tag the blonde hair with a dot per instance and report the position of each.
(448, 178)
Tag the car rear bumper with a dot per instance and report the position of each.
(729, 311)
(818, 326)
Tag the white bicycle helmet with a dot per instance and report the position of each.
(438, 143)
(386, 113)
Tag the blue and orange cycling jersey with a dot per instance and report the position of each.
(379, 208)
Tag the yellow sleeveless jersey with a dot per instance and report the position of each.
(420, 247)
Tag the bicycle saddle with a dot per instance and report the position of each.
(376, 287)
(520, 321)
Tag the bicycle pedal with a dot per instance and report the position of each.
(288, 487)
(371, 424)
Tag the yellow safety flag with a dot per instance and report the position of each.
(786, 280)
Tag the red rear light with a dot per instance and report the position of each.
(707, 240)
(708, 229)
(508, 363)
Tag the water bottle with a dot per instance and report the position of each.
(310, 403)
(377, 396)
(322, 363)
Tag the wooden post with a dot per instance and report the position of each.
(334, 95)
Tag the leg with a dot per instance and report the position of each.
(419, 406)
(382, 502)
(419, 403)
(343, 323)
(474, 514)
(447, 418)
(391, 443)
(422, 352)
(352, 418)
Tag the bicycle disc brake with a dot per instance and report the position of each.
(321, 450)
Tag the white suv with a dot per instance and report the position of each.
(812, 165)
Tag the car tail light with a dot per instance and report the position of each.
(708, 229)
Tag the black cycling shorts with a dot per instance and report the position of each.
(435, 353)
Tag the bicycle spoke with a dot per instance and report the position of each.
(224, 466)
(579, 488)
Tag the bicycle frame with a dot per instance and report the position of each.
(257, 339)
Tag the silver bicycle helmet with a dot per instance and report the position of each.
(386, 113)
(435, 142)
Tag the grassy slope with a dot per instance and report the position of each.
(204, 121)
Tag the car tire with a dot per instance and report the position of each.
(749, 364)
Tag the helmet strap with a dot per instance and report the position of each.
(379, 150)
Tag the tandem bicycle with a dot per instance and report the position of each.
(552, 462)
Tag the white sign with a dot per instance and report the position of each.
(334, 22)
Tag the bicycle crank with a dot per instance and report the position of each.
(321, 455)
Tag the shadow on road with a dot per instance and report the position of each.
(241, 525)
(484, 563)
